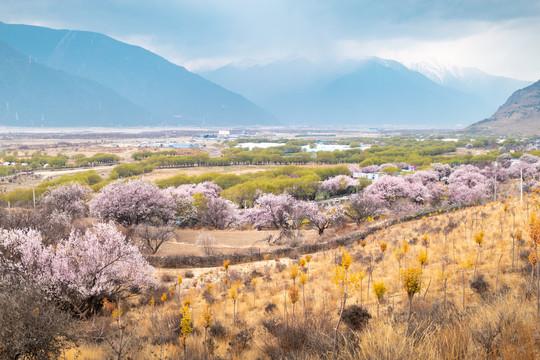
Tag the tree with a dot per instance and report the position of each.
(271, 211)
(66, 198)
(467, 184)
(412, 284)
(216, 212)
(338, 185)
(342, 279)
(80, 271)
(534, 233)
(361, 207)
(32, 327)
(153, 236)
(132, 202)
(388, 189)
(380, 289)
(326, 217)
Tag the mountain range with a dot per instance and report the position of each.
(163, 93)
(372, 92)
(76, 78)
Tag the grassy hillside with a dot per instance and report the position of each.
(489, 310)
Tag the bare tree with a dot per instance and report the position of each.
(206, 243)
(153, 236)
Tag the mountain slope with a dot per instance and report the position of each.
(171, 93)
(370, 93)
(493, 89)
(34, 95)
(519, 115)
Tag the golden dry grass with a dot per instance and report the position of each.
(500, 324)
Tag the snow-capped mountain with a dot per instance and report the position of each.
(494, 89)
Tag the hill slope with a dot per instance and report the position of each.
(35, 95)
(169, 92)
(520, 114)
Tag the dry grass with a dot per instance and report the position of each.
(500, 323)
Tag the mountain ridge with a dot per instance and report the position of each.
(35, 95)
(519, 115)
(168, 91)
(302, 93)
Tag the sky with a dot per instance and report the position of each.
(501, 37)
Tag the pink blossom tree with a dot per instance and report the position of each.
(80, 271)
(326, 217)
(363, 206)
(388, 189)
(530, 159)
(217, 212)
(371, 169)
(271, 211)
(467, 184)
(424, 186)
(97, 264)
(66, 198)
(338, 185)
(132, 202)
(443, 171)
(207, 188)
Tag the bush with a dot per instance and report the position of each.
(480, 286)
(218, 331)
(32, 327)
(356, 317)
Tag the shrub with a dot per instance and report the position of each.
(218, 331)
(32, 327)
(356, 317)
(480, 286)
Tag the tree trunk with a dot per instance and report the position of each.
(537, 283)
(444, 294)
(344, 300)
(454, 251)
(409, 313)
(361, 302)
(205, 344)
(497, 277)
(476, 263)
(463, 283)
(304, 299)
(513, 250)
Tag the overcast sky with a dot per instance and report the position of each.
(501, 37)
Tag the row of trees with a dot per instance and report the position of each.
(135, 201)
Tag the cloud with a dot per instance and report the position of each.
(494, 35)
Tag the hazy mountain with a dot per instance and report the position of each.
(372, 93)
(520, 114)
(169, 92)
(493, 89)
(35, 95)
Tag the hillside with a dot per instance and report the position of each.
(520, 114)
(35, 95)
(169, 92)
